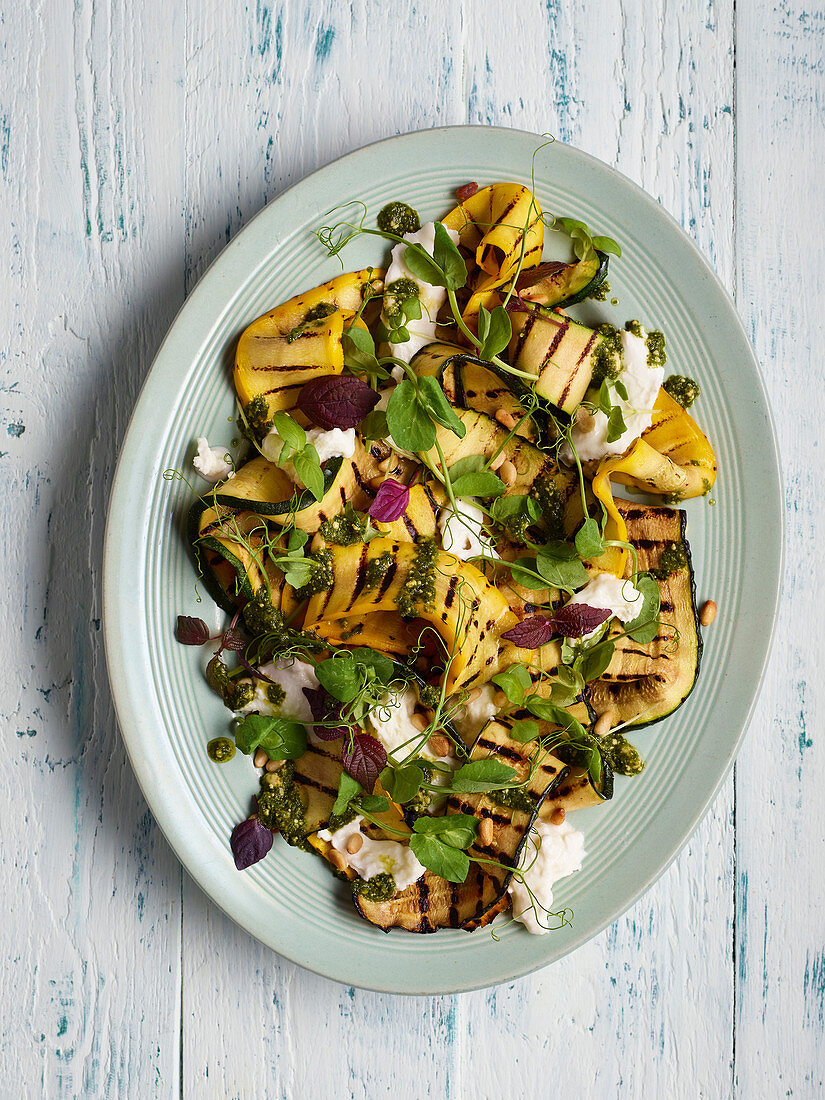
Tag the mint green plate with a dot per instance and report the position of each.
(166, 711)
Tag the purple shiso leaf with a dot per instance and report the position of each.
(234, 640)
(337, 401)
(576, 619)
(390, 502)
(191, 631)
(533, 632)
(325, 709)
(250, 842)
(364, 759)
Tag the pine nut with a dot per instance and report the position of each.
(507, 473)
(420, 722)
(338, 860)
(506, 419)
(498, 461)
(499, 698)
(485, 831)
(585, 422)
(438, 745)
(385, 465)
(708, 613)
(474, 694)
(558, 815)
(604, 723)
(355, 843)
(260, 758)
(272, 765)
(376, 482)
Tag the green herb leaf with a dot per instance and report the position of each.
(280, 740)
(384, 669)
(308, 468)
(348, 788)
(594, 662)
(498, 331)
(442, 859)
(292, 433)
(515, 681)
(616, 426)
(607, 244)
(525, 730)
(422, 265)
(645, 626)
(297, 571)
(408, 422)
(431, 396)
(373, 803)
(482, 775)
(483, 484)
(621, 389)
(560, 566)
(589, 542)
(402, 783)
(374, 425)
(411, 309)
(518, 571)
(297, 539)
(457, 830)
(449, 259)
(359, 350)
(339, 677)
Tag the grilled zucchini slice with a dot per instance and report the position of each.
(432, 903)
(557, 284)
(559, 352)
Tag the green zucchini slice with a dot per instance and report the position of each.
(432, 903)
(559, 352)
(557, 284)
(645, 683)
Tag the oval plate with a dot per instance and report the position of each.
(165, 709)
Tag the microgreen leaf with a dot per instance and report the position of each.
(422, 265)
(514, 682)
(374, 426)
(482, 484)
(348, 788)
(250, 842)
(191, 631)
(531, 633)
(234, 641)
(559, 564)
(498, 330)
(577, 619)
(449, 259)
(280, 739)
(402, 783)
(616, 426)
(297, 570)
(589, 542)
(338, 676)
(442, 859)
(409, 423)
(594, 662)
(338, 400)
(606, 244)
(373, 803)
(457, 830)
(482, 775)
(621, 389)
(308, 468)
(364, 758)
(524, 730)
(645, 626)
(390, 502)
(291, 433)
(325, 709)
(382, 666)
(519, 572)
(432, 397)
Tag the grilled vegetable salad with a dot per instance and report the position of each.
(444, 625)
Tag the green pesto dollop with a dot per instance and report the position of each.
(380, 887)
(317, 313)
(635, 329)
(275, 694)
(681, 389)
(429, 695)
(257, 417)
(236, 694)
(322, 576)
(656, 354)
(546, 494)
(338, 821)
(397, 293)
(260, 616)
(515, 798)
(377, 569)
(398, 218)
(220, 749)
(418, 591)
(280, 807)
(600, 293)
(607, 355)
(622, 755)
(344, 529)
(673, 557)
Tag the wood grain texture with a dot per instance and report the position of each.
(134, 143)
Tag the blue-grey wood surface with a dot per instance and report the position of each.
(135, 139)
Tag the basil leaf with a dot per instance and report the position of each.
(482, 775)
(515, 681)
(292, 434)
(339, 677)
(589, 542)
(645, 626)
(308, 468)
(431, 396)
(449, 259)
(457, 830)
(409, 425)
(348, 788)
(606, 244)
(442, 859)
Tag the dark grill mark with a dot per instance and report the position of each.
(360, 577)
(411, 528)
(451, 591)
(388, 579)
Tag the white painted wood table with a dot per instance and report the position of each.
(135, 140)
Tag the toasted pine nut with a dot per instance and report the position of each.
(498, 461)
(507, 472)
(604, 723)
(506, 419)
(585, 422)
(499, 698)
(420, 722)
(376, 482)
(558, 815)
(438, 745)
(474, 694)
(708, 613)
(485, 830)
(272, 765)
(338, 860)
(355, 843)
(385, 465)
(260, 758)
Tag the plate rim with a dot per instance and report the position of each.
(116, 659)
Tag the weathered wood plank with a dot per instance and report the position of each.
(780, 819)
(91, 193)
